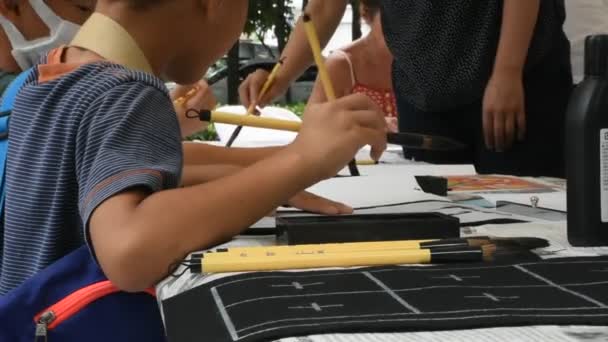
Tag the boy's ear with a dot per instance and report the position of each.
(10, 9)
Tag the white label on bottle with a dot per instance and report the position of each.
(604, 173)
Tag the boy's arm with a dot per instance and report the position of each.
(133, 231)
(504, 116)
(298, 56)
(205, 154)
(199, 174)
(137, 228)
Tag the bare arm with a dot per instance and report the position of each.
(339, 72)
(136, 236)
(199, 174)
(504, 116)
(129, 231)
(298, 56)
(518, 22)
(205, 154)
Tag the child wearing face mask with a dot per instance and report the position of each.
(30, 28)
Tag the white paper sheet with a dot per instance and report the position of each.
(519, 334)
(396, 172)
(368, 191)
(549, 200)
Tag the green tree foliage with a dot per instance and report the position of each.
(270, 16)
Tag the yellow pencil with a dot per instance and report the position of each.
(248, 263)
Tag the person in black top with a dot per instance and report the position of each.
(493, 74)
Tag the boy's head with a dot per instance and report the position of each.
(181, 38)
(32, 27)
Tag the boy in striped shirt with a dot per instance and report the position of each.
(96, 157)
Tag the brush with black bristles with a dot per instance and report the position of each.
(408, 140)
(424, 142)
(527, 243)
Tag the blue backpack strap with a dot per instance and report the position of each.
(6, 106)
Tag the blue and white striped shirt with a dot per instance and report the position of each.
(75, 141)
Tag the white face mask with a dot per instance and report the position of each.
(28, 53)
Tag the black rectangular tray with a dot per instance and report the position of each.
(295, 230)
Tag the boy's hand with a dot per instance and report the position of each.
(198, 96)
(250, 89)
(310, 202)
(333, 132)
(504, 115)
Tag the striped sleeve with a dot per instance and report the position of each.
(129, 138)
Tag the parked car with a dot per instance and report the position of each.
(299, 91)
(252, 56)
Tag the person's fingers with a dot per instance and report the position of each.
(521, 124)
(375, 138)
(488, 129)
(510, 131)
(317, 204)
(244, 93)
(356, 102)
(369, 119)
(203, 99)
(252, 86)
(248, 91)
(499, 131)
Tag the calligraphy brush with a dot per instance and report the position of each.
(330, 93)
(523, 243)
(408, 140)
(222, 263)
(424, 142)
(252, 108)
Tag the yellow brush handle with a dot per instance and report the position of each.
(288, 262)
(315, 45)
(320, 248)
(255, 121)
(267, 85)
(180, 101)
(367, 162)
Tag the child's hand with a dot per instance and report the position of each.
(198, 96)
(312, 203)
(333, 132)
(251, 87)
(504, 115)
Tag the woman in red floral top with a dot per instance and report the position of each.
(364, 67)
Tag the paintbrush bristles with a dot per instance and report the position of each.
(488, 252)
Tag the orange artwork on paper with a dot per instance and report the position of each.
(494, 183)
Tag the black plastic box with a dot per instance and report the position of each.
(296, 230)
